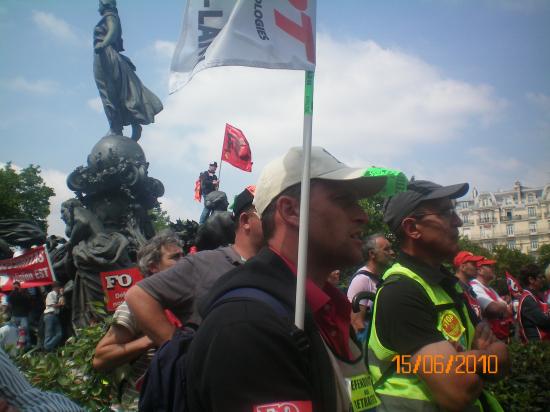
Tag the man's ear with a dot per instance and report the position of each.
(410, 228)
(244, 220)
(153, 268)
(288, 209)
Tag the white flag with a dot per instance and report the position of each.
(274, 34)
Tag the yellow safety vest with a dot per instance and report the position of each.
(406, 392)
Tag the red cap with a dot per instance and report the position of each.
(465, 256)
(485, 262)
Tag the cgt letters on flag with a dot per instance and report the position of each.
(273, 34)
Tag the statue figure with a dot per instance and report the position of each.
(125, 99)
(108, 221)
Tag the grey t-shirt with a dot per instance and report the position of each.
(184, 284)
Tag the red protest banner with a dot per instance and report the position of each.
(116, 283)
(31, 269)
(236, 150)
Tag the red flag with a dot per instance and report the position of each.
(513, 286)
(236, 150)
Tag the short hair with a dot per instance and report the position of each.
(246, 209)
(527, 271)
(150, 253)
(370, 244)
(268, 216)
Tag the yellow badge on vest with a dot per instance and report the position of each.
(450, 325)
(361, 393)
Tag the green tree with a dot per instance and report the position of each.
(160, 218)
(510, 260)
(374, 208)
(24, 195)
(543, 256)
(466, 244)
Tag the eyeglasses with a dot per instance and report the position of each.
(446, 213)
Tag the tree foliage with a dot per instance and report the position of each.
(511, 260)
(69, 370)
(160, 218)
(24, 195)
(543, 256)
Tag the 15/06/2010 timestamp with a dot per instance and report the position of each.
(437, 364)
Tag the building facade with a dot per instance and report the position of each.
(518, 218)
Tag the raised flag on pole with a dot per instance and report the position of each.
(513, 286)
(273, 34)
(236, 150)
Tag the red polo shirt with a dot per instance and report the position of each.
(331, 312)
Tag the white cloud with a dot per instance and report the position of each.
(57, 180)
(95, 104)
(40, 86)
(54, 26)
(164, 49)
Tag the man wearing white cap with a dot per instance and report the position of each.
(247, 356)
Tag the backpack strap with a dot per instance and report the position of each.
(255, 294)
(298, 335)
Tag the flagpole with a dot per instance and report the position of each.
(304, 202)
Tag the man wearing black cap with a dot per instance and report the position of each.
(180, 287)
(421, 319)
(209, 183)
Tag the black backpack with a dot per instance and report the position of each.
(164, 385)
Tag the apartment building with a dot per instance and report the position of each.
(518, 218)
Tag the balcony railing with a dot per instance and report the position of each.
(487, 220)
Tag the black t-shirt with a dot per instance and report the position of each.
(533, 318)
(20, 303)
(406, 319)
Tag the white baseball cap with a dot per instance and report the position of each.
(286, 171)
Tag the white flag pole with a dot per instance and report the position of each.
(304, 203)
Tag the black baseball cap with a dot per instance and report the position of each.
(401, 205)
(215, 164)
(242, 201)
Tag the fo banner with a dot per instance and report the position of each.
(273, 34)
(116, 283)
(31, 269)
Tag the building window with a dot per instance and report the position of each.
(509, 200)
(488, 246)
(530, 198)
(484, 233)
(511, 244)
(465, 218)
(510, 230)
(485, 202)
(532, 227)
(485, 217)
(534, 244)
(508, 214)
(531, 211)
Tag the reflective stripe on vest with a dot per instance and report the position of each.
(408, 392)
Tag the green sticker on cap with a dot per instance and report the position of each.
(396, 181)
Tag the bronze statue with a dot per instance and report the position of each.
(125, 99)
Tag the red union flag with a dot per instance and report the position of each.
(273, 34)
(236, 150)
(286, 406)
(116, 283)
(513, 286)
(31, 269)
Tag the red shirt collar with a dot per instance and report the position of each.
(331, 311)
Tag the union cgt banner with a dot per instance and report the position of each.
(31, 269)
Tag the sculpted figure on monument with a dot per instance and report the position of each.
(108, 222)
(125, 99)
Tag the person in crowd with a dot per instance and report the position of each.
(8, 338)
(19, 303)
(179, 288)
(246, 356)
(493, 307)
(52, 325)
(334, 278)
(420, 315)
(547, 291)
(533, 315)
(124, 343)
(208, 182)
(16, 394)
(378, 253)
(465, 264)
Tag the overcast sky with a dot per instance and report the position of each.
(446, 90)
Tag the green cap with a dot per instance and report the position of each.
(396, 181)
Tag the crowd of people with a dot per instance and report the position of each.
(246, 353)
